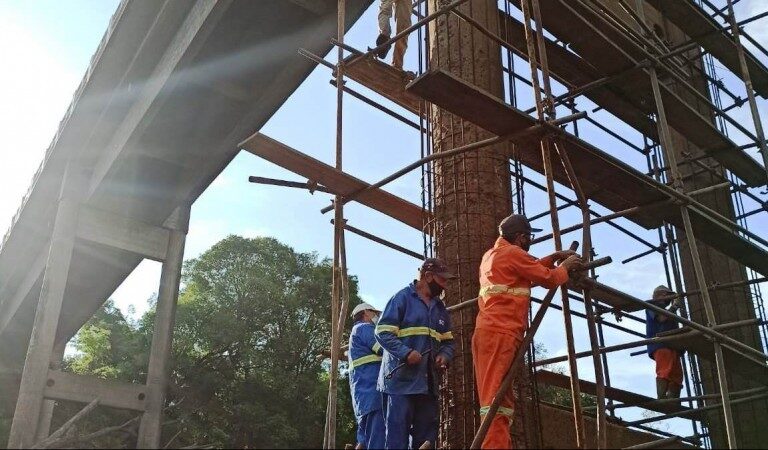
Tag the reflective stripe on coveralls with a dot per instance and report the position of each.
(507, 273)
(504, 289)
(365, 360)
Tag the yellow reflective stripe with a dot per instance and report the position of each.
(425, 331)
(414, 331)
(376, 348)
(365, 360)
(504, 289)
(381, 328)
(509, 412)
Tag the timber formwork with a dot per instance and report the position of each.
(643, 63)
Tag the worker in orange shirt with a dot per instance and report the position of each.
(507, 273)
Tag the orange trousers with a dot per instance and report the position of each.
(668, 365)
(491, 352)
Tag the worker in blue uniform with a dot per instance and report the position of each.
(364, 364)
(415, 332)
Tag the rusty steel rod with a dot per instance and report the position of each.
(602, 425)
(382, 241)
(308, 185)
(542, 111)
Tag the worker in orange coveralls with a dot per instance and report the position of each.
(507, 273)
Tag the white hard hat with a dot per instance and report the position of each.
(362, 307)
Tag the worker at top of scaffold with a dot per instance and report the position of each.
(364, 364)
(669, 369)
(402, 10)
(415, 332)
(507, 274)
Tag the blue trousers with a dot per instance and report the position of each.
(370, 430)
(414, 416)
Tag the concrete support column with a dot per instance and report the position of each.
(46, 415)
(471, 195)
(30, 402)
(150, 430)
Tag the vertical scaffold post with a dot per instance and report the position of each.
(578, 415)
(338, 289)
(665, 139)
(748, 85)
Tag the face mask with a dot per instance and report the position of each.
(525, 242)
(375, 319)
(435, 290)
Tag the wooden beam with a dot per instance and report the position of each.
(630, 398)
(85, 389)
(335, 180)
(123, 233)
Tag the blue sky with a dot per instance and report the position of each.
(46, 45)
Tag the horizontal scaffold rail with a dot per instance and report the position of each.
(629, 97)
(604, 178)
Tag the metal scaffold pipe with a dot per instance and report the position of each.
(339, 288)
(748, 86)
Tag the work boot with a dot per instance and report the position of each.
(382, 53)
(673, 391)
(662, 386)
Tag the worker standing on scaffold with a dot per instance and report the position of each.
(669, 369)
(364, 364)
(507, 273)
(415, 332)
(402, 10)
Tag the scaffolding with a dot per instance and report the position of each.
(661, 89)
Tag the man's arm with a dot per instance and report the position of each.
(532, 269)
(550, 260)
(389, 326)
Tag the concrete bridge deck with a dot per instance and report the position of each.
(172, 89)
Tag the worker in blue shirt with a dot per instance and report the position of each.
(415, 332)
(669, 369)
(364, 364)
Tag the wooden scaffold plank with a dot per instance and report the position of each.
(604, 178)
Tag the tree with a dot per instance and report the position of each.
(252, 318)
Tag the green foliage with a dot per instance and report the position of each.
(252, 318)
